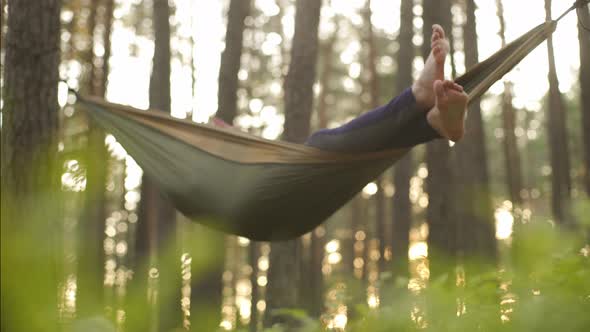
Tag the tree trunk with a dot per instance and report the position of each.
(373, 82)
(439, 184)
(511, 154)
(558, 143)
(312, 273)
(285, 256)
(30, 172)
(90, 260)
(584, 38)
(326, 68)
(473, 200)
(403, 169)
(230, 60)
(108, 26)
(207, 287)
(253, 255)
(157, 223)
(302, 71)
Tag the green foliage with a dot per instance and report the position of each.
(548, 278)
(543, 284)
(581, 212)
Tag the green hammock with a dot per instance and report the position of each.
(263, 189)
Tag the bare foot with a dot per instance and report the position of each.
(448, 115)
(434, 68)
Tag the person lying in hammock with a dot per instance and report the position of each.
(442, 105)
(431, 108)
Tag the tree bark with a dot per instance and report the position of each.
(30, 170)
(473, 200)
(108, 26)
(373, 82)
(512, 160)
(403, 169)
(312, 274)
(439, 184)
(282, 291)
(326, 72)
(558, 143)
(302, 71)
(230, 60)
(253, 255)
(157, 217)
(207, 289)
(584, 38)
(511, 154)
(90, 275)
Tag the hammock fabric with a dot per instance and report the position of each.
(263, 189)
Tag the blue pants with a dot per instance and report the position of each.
(401, 123)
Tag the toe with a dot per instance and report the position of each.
(436, 35)
(436, 28)
(434, 38)
(440, 43)
(439, 89)
(449, 84)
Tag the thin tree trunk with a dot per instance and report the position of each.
(157, 223)
(302, 71)
(558, 143)
(108, 26)
(403, 169)
(473, 199)
(312, 274)
(584, 38)
(207, 287)
(380, 221)
(312, 294)
(193, 65)
(29, 172)
(285, 256)
(511, 154)
(230, 60)
(90, 284)
(253, 255)
(326, 57)
(439, 184)
(3, 29)
(89, 52)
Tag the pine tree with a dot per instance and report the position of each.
(584, 39)
(282, 291)
(157, 217)
(439, 184)
(403, 169)
(511, 154)
(207, 285)
(230, 60)
(558, 142)
(30, 171)
(374, 93)
(473, 206)
(90, 275)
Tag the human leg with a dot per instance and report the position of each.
(430, 109)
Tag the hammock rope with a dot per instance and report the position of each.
(578, 5)
(262, 189)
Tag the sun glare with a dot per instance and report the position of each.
(504, 223)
